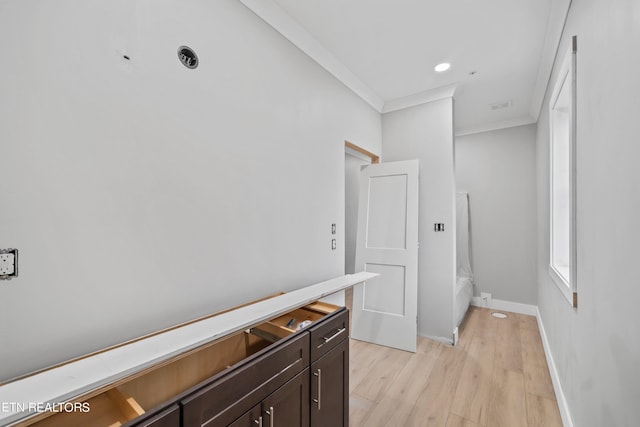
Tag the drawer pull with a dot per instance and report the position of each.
(272, 415)
(319, 375)
(258, 421)
(326, 340)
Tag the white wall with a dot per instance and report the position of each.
(141, 193)
(498, 170)
(425, 132)
(596, 347)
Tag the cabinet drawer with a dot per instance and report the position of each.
(238, 391)
(329, 333)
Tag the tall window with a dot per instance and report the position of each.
(562, 264)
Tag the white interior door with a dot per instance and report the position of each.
(385, 308)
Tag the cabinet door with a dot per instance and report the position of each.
(251, 418)
(330, 388)
(167, 418)
(289, 405)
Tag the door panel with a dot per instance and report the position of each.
(387, 212)
(330, 388)
(386, 296)
(289, 405)
(251, 418)
(385, 308)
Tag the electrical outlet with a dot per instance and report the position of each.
(333, 244)
(438, 226)
(333, 229)
(8, 263)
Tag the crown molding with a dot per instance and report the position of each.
(283, 23)
(419, 98)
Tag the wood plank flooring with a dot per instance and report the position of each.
(496, 376)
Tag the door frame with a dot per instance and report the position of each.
(357, 151)
(375, 159)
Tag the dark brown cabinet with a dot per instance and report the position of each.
(251, 418)
(330, 388)
(236, 392)
(262, 391)
(167, 418)
(291, 371)
(289, 405)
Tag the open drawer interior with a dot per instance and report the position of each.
(121, 402)
(287, 324)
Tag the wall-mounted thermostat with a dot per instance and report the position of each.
(8, 263)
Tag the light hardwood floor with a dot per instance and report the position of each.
(496, 376)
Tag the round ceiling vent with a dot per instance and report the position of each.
(499, 315)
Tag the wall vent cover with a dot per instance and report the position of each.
(501, 105)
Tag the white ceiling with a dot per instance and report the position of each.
(389, 49)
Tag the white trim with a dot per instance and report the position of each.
(282, 22)
(357, 154)
(566, 76)
(443, 340)
(497, 304)
(419, 98)
(503, 124)
(555, 27)
(563, 405)
(562, 284)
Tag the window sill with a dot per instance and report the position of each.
(565, 288)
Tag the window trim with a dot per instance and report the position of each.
(567, 71)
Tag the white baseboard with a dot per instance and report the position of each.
(563, 406)
(498, 304)
(439, 339)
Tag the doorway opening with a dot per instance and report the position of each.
(355, 158)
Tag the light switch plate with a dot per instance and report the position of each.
(8, 263)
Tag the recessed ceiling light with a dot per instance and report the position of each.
(442, 67)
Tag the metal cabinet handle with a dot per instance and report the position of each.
(258, 421)
(319, 399)
(326, 340)
(271, 414)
